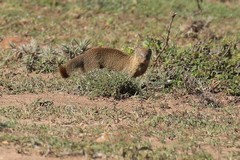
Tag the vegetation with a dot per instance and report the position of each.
(185, 107)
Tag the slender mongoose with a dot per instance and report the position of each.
(109, 58)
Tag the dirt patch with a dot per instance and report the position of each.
(6, 42)
(10, 153)
(165, 105)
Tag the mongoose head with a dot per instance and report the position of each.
(143, 55)
(141, 60)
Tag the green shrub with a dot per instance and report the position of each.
(197, 68)
(47, 59)
(42, 63)
(108, 84)
(38, 59)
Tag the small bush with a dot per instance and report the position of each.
(45, 62)
(75, 47)
(108, 84)
(197, 67)
(47, 59)
(38, 59)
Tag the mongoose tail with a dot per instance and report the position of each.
(63, 71)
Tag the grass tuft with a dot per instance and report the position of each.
(75, 47)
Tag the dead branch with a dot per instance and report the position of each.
(199, 5)
(166, 42)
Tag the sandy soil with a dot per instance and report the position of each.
(11, 153)
(169, 103)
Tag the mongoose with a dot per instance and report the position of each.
(109, 58)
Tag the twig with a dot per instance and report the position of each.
(169, 30)
(167, 40)
(199, 5)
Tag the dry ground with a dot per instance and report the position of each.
(140, 110)
(43, 116)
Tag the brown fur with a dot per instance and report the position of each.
(112, 59)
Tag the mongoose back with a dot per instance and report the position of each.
(109, 58)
